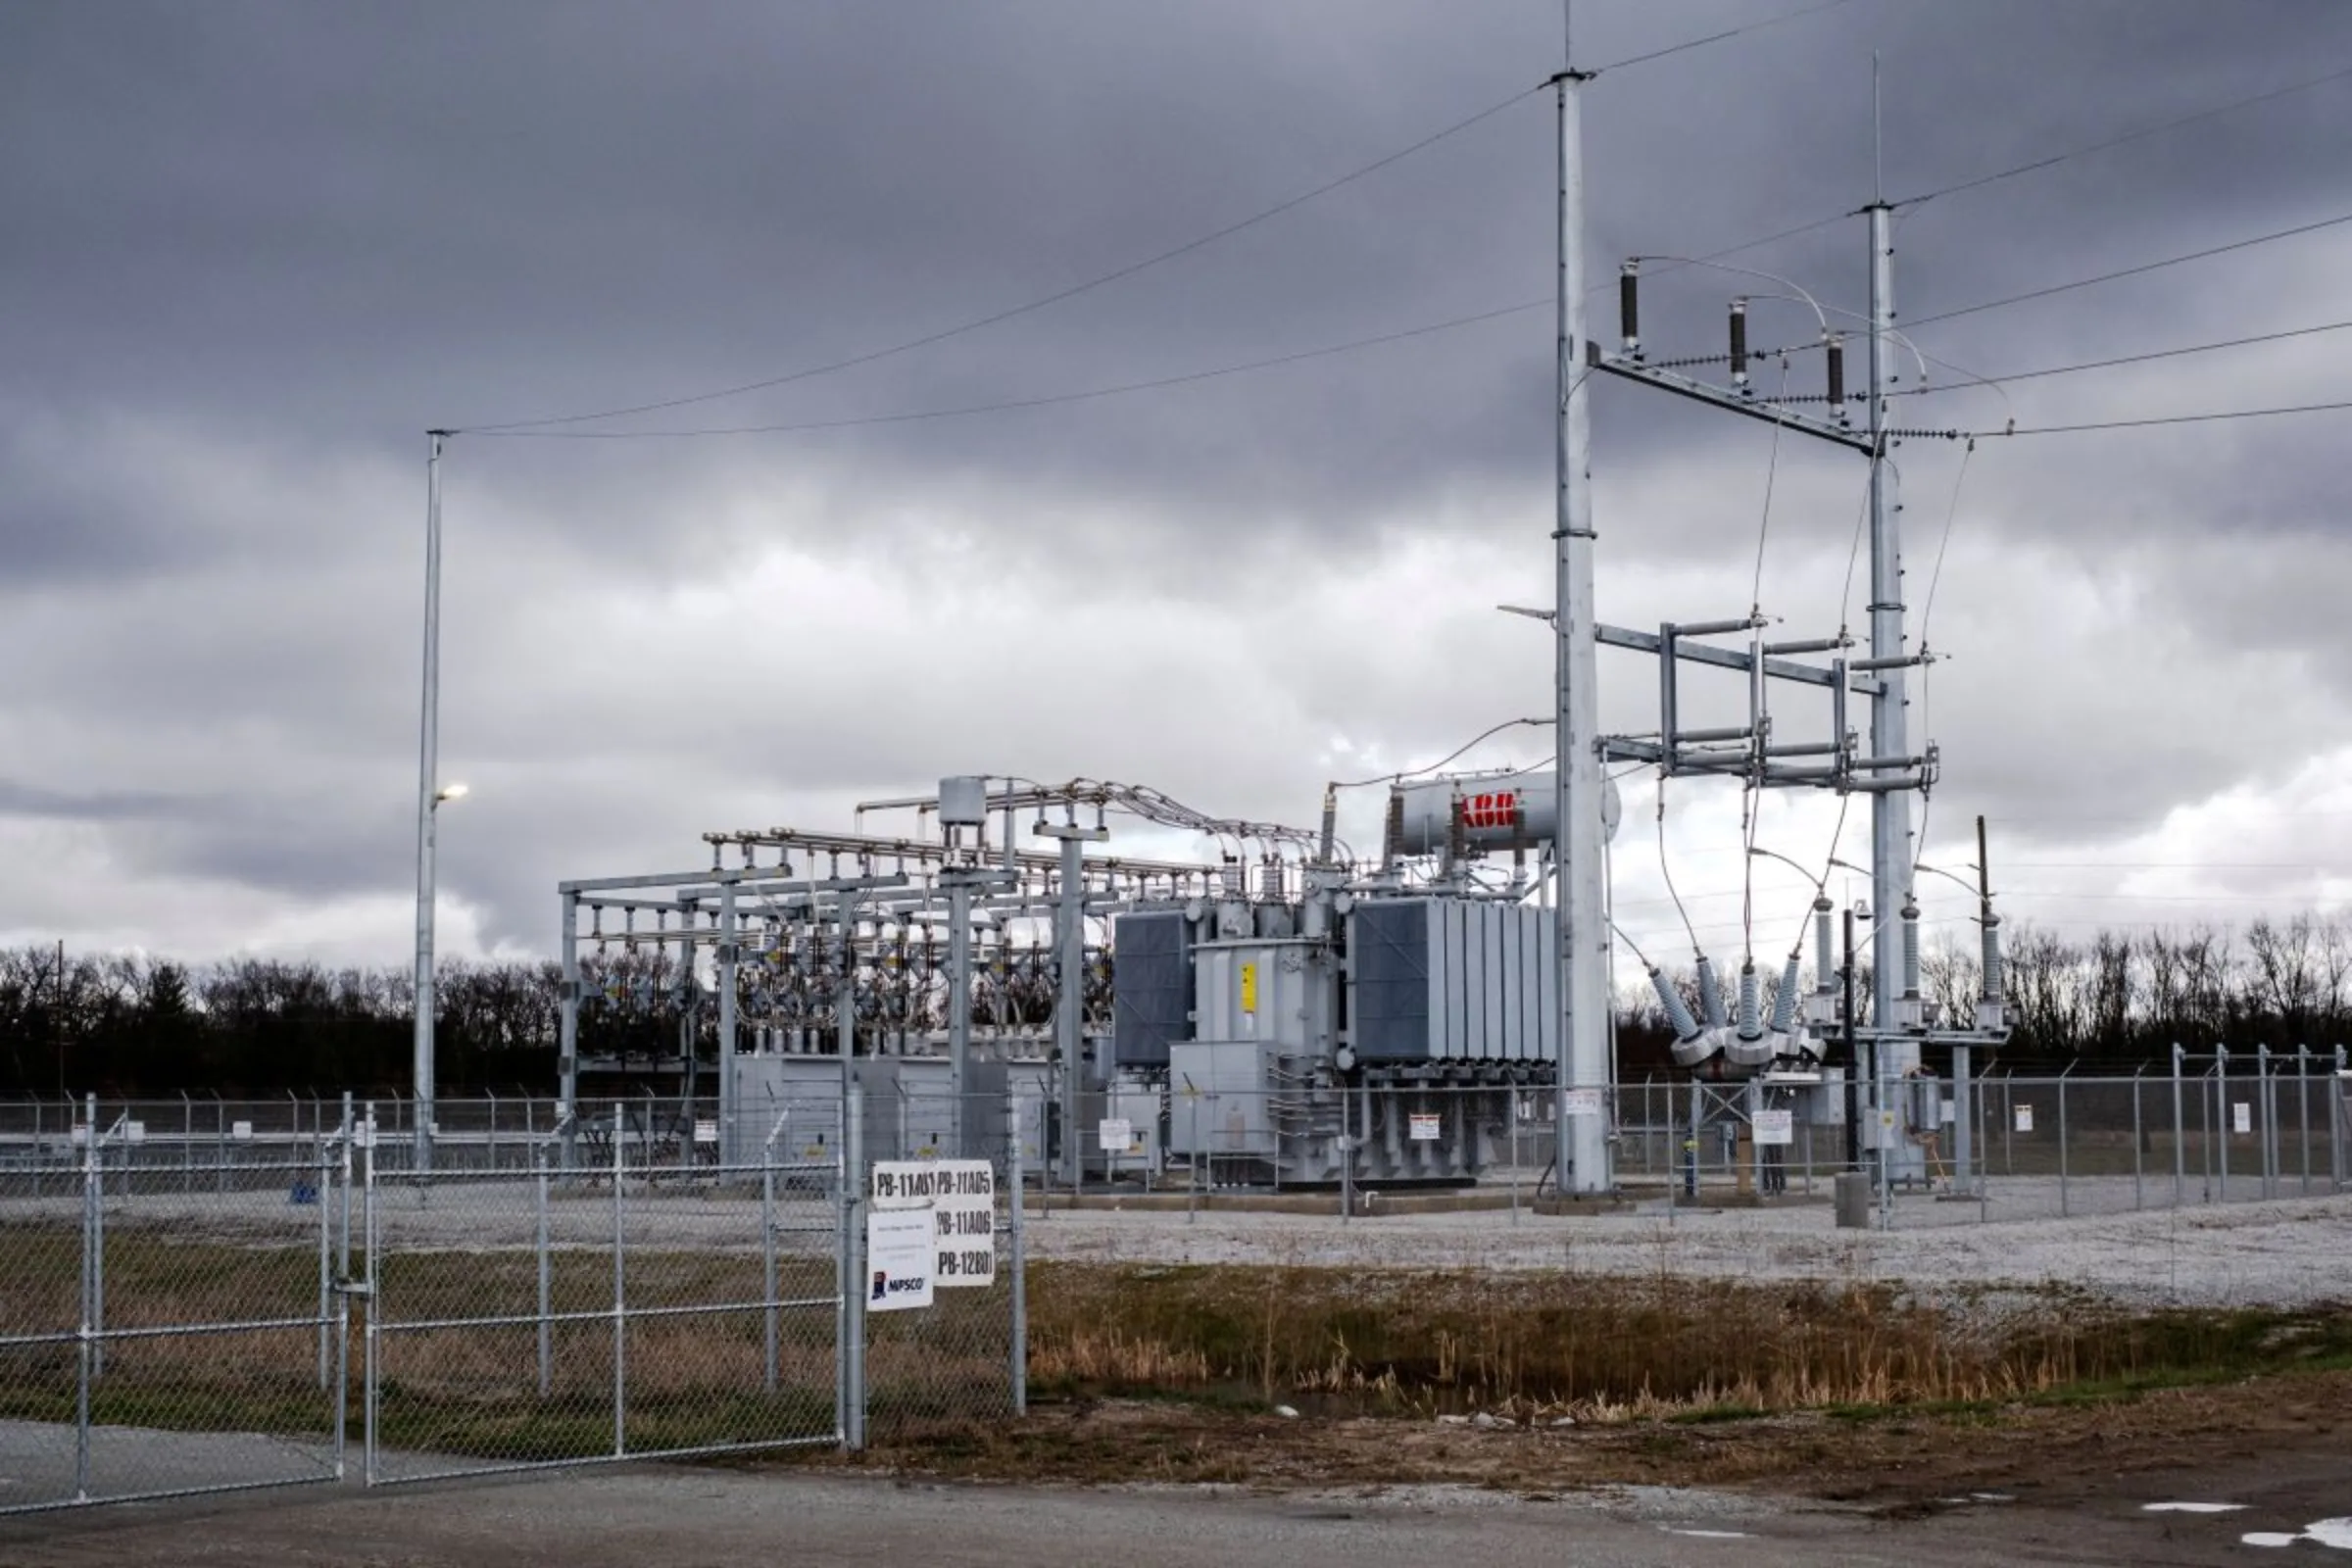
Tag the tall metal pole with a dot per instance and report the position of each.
(1582, 1050)
(731, 937)
(567, 1028)
(960, 1003)
(1069, 1010)
(428, 788)
(1891, 847)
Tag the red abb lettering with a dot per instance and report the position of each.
(1497, 809)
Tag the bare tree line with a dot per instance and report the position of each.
(125, 1023)
(2113, 999)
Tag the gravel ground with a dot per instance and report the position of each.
(2290, 1251)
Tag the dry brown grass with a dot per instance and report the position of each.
(1607, 1348)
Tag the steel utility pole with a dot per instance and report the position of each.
(1069, 1009)
(1890, 847)
(1582, 1053)
(427, 800)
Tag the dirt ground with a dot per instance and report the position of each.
(1892, 1463)
(2071, 1483)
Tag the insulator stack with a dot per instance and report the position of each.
(1752, 1014)
(1678, 1011)
(1740, 345)
(1825, 955)
(1711, 994)
(1628, 308)
(1783, 1005)
(1910, 916)
(1992, 957)
(1836, 353)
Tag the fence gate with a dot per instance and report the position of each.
(168, 1328)
(600, 1312)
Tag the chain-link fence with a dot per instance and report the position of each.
(176, 1326)
(2004, 1147)
(161, 1337)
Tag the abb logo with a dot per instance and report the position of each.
(1499, 809)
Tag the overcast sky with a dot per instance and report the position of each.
(256, 249)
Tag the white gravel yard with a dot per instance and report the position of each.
(2288, 1252)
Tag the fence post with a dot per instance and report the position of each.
(2303, 1112)
(2261, 1110)
(1192, 1189)
(853, 1222)
(2221, 1112)
(187, 1155)
(1512, 1094)
(844, 1268)
(98, 1246)
(1020, 1260)
(767, 1251)
(547, 1330)
(343, 1296)
(2063, 1208)
(92, 1242)
(2179, 1136)
(1346, 1165)
(2339, 1116)
(327, 1213)
(369, 1252)
(2138, 1192)
(620, 1296)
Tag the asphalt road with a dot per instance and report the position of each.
(685, 1518)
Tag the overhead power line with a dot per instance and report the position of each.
(1040, 303)
(2015, 169)
(2213, 417)
(2056, 159)
(1048, 400)
(2140, 359)
(1729, 32)
(2129, 271)
(1130, 269)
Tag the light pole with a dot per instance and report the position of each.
(424, 972)
(429, 795)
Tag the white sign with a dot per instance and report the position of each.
(1584, 1101)
(1116, 1135)
(135, 1132)
(81, 1133)
(2242, 1116)
(898, 1254)
(2025, 1118)
(1427, 1127)
(961, 1198)
(241, 1131)
(1776, 1126)
(706, 1131)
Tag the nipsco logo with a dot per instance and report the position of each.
(1497, 809)
(886, 1287)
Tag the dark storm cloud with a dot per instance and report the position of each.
(351, 222)
(256, 249)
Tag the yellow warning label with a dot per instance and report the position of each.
(1248, 988)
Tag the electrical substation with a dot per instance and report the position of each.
(1387, 1016)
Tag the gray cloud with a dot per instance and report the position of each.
(259, 248)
